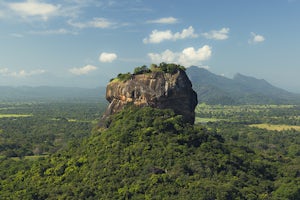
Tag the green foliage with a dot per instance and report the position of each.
(141, 70)
(124, 77)
(279, 148)
(47, 128)
(148, 153)
(163, 67)
(170, 68)
(145, 153)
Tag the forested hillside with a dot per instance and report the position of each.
(146, 154)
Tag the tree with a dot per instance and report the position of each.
(142, 70)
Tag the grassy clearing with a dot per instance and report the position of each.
(35, 157)
(205, 120)
(238, 108)
(275, 127)
(74, 120)
(15, 115)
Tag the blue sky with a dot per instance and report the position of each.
(84, 43)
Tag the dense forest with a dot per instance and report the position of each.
(33, 128)
(56, 151)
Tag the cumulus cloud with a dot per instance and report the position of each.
(31, 8)
(95, 23)
(165, 20)
(107, 57)
(221, 34)
(159, 36)
(21, 73)
(187, 57)
(83, 70)
(255, 38)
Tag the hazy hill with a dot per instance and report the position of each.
(46, 93)
(215, 89)
(210, 88)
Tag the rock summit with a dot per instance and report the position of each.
(165, 87)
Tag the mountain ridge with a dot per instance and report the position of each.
(241, 89)
(211, 89)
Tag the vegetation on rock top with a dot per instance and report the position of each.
(162, 67)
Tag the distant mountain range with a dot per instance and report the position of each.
(211, 89)
(47, 93)
(215, 89)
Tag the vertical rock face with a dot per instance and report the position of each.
(156, 89)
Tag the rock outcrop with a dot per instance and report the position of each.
(156, 89)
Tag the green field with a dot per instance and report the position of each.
(202, 120)
(268, 117)
(276, 127)
(15, 115)
(250, 114)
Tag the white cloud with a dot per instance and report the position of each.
(221, 34)
(107, 57)
(205, 67)
(61, 31)
(166, 20)
(159, 36)
(4, 71)
(17, 35)
(100, 23)
(255, 38)
(32, 8)
(166, 56)
(187, 57)
(76, 8)
(95, 23)
(83, 70)
(21, 73)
